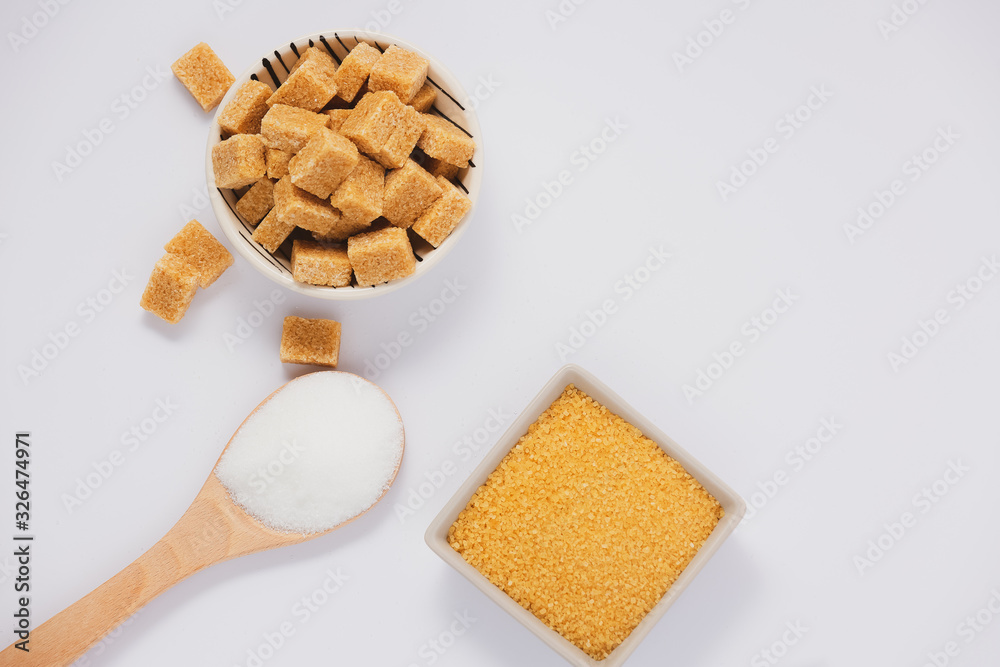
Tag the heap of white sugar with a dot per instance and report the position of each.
(319, 452)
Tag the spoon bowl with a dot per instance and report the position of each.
(213, 529)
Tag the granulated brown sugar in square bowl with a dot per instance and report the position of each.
(585, 521)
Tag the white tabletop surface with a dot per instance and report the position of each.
(838, 102)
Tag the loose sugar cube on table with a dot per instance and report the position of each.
(437, 222)
(424, 99)
(272, 231)
(381, 255)
(323, 163)
(310, 84)
(408, 193)
(204, 75)
(306, 341)
(401, 71)
(277, 162)
(318, 264)
(196, 246)
(238, 161)
(289, 128)
(299, 208)
(244, 112)
(397, 148)
(443, 140)
(373, 120)
(354, 70)
(170, 288)
(359, 197)
(257, 201)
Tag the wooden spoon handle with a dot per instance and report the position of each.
(67, 635)
(213, 529)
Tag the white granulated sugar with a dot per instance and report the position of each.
(320, 452)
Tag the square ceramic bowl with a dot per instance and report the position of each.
(451, 103)
(437, 533)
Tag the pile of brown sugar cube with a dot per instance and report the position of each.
(328, 160)
(194, 259)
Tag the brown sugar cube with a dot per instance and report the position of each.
(381, 255)
(342, 229)
(257, 201)
(359, 197)
(204, 75)
(401, 142)
(337, 117)
(401, 71)
(361, 93)
(436, 223)
(310, 83)
(196, 246)
(318, 264)
(443, 140)
(277, 162)
(408, 193)
(170, 288)
(337, 103)
(289, 128)
(311, 54)
(238, 161)
(425, 97)
(272, 231)
(305, 341)
(436, 167)
(323, 163)
(354, 70)
(373, 120)
(329, 237)
(299, 208)
(243, 113)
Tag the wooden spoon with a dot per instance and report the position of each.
(212, 530)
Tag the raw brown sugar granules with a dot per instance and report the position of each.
(586, 523)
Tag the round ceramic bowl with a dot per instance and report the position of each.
(451, 103)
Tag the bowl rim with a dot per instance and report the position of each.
(436, 535)
(239, 233)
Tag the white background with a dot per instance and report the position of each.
(656, 184)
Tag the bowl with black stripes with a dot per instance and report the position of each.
(451, 103)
